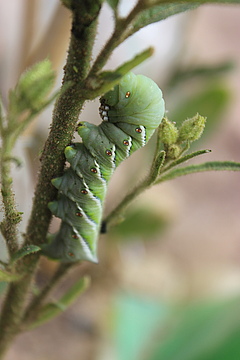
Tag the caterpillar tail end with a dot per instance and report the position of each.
(66, 253)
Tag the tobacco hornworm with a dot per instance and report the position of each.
(130, 112)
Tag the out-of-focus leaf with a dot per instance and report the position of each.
(108, 79)
(211, 102)
(186, 158)
(207, 331)
(51, 310)
(207, 166)
(32, 88)
(142, 223)
(135, 320)
(201, 72)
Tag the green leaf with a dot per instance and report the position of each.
(141, 223)
(32, 88)
(51, 310)
(159, 12)
(207, 72)
(208, 166)
(24, 251)
(186, 158)
(205, 331)
(210, 102)
(135, 320)
(137, 60)
(108, 79)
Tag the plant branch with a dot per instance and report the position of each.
(65, 116)
(31, 312)
(12, 216)
(12, 311)
(121, 32)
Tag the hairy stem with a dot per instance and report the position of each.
(116, 214)
(12, 312)
(12, 216)
(65, 116)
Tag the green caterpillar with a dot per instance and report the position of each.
(131, 112)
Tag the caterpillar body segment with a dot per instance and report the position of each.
(130, 112)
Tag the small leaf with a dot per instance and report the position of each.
(108, 79)
(51, 310)
(211, 102)
(32, 88)
(26, 250)
(141, 223)
(208, 166)
(186, 158)
(137, 60)
(157, 164)
(157, 10)
(181, 75)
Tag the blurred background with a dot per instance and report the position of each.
(167, 284)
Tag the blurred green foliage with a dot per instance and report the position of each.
(140, 223)
(148, 329)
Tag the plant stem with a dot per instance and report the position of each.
(12, 312)
(34, 306)
(65, 116)
(12, 216)
(116, 214)
(121, 32)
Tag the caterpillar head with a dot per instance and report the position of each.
(136, 100)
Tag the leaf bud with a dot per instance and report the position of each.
(173, 151)
(168, 132)
(33, 87)
(192, 129)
